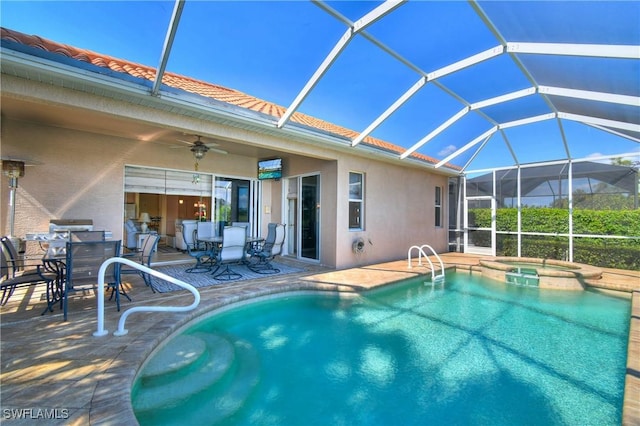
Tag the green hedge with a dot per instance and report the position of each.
(610, 253)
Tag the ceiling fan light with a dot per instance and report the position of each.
(199, 151)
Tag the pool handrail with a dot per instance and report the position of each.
(421, 252)
(121, 330)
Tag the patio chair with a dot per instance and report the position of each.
(144, 259)
(83, 262)
(261, 256)
(15, 272)
(234, 240)
(199, 251)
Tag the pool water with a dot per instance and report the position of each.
(471, 352)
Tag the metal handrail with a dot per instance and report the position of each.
(421, 253)
(121, 330)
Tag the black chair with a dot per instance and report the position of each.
(234, 241)
(143, 258)
(83, 261)
(262, 255)
(199, 251)
(16, 272)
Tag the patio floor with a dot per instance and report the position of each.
(59, 369)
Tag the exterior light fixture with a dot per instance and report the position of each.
(13, 170)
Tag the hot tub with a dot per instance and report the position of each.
(543, 273)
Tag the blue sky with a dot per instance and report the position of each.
(270, 49)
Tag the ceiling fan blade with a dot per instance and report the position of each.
(219, 151)
(208, 144)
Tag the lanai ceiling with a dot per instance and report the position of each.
(476, 84)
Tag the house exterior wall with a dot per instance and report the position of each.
(79, 174)
(398, 212)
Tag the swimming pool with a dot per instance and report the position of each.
(473, 351)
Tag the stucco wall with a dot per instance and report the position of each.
(398, 212)
(79, 175)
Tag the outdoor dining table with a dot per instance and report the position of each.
(215, 243)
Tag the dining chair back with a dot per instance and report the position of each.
(83, 261)
(15, 272)
(143, 258)
(205, 229)
(261, 257)
(200, 252)
(245, 225)
(234, 241)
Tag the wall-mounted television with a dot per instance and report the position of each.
(270, 169)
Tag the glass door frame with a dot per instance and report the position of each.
(297, 234)
(254, 200)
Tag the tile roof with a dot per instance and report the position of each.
(219, 93)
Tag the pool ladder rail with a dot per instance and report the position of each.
(435, 279)
(123, 318)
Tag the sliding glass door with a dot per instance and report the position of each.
(233, 203)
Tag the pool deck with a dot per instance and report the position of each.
(52, 368)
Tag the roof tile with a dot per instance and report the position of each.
(220, 93)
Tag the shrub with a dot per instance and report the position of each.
(604, 252)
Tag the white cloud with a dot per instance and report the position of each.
(450, 149)
(597, 158)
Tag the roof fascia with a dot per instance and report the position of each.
(67, 69)
(66, 72)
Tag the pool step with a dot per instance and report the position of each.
(179, 381)
(225, 400)
(184, 352)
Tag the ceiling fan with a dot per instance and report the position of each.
(199, 148)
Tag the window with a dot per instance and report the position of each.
(356, 200)
(438, 205)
